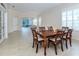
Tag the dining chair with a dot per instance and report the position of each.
(41, 28)
(68, 37)
(55, 41)
(36, 39)
(50, 28)
(32, 29)
(65, 28)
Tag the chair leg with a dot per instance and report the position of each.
(66, 44)
(62, 46)
(33, 45)
(44, 51)
(55, 49)
(48, 43)
(40, 43)
(70, 42)
(37, 48)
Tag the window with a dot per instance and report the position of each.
(70, 18)
(76, 19)
(35, 21)
(39, 21)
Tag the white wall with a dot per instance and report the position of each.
(28, 14)
(12, 20)
(53, 17)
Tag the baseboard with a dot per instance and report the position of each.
(13, 31)
(76, 39)
(1, 41)
(10, 32)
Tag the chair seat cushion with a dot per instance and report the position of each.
(40, 39)
(54, 39)
(64, 36)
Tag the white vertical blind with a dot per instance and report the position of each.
(76, 19)
(63, 18)
(70, 18)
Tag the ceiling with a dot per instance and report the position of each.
(32, 7)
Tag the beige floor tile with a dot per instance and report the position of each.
(19, 43)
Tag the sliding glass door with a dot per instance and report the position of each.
(1, 25)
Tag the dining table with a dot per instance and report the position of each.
(48, 34)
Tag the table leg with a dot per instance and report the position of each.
(44, 51)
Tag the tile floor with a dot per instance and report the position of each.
(19, 43)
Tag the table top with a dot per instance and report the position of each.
(49, 33)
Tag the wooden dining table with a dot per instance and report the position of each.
(47, 34)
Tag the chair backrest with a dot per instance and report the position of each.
(33, 28)
(59, 30)
(50, 28)
(34, 33)
(59, 36)
(65, 28)
(69, 33)
(41, 28)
